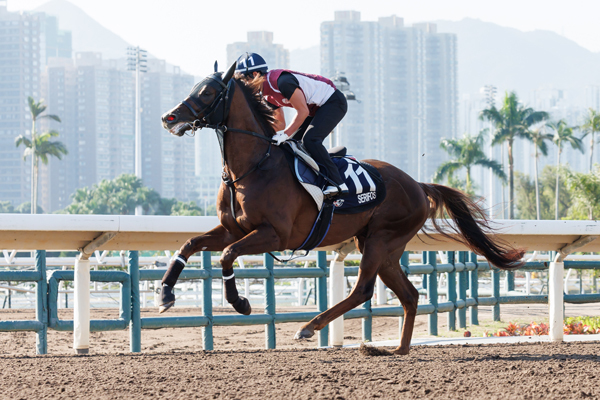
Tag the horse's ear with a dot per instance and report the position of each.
(216, 66)
(229, 73)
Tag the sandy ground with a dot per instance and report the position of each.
(173, 365)
(532, 371)
(252, 337)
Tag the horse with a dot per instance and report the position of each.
(262, 207)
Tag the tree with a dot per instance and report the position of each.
(511, 121)
(525, 194)
(538, 137)
(118, 196)
(6, 207)
(39, 147)
(122, 195)
(591, 126)
(563, 134)
(585, 189)
(466, 153)
(189, 208)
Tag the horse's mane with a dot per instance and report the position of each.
(261, 110)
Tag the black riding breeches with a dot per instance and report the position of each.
(315, 129)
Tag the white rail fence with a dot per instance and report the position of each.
(94, 235)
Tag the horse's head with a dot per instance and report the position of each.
(205, 103)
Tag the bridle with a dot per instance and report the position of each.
(214, 116)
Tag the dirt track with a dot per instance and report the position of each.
(173, 365)
(529, 371)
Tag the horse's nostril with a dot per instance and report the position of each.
(170, 118)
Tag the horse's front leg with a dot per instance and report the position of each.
(261, 240)
(214, 240)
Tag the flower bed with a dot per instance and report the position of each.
(572, 326)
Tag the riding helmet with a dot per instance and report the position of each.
(251, 62)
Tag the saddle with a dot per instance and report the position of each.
(365, 184)
(366, 188)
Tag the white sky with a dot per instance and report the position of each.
(193, 33)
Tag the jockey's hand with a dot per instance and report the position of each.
(280, 137)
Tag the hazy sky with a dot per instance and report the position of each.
(193, 33)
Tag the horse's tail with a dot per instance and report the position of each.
(471, 225)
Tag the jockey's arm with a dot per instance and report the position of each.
(298, 101)
(279, 123)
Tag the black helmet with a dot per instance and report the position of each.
(251, 62)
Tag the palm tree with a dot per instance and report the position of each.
(538, 137)
(591, 125)
(563, 134)
(585, 189)
(466, 152)
(38, 147)
(511, 121)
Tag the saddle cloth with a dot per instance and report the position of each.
(365, 185)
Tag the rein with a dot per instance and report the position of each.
(224, 98)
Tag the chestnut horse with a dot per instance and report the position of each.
(262, 208)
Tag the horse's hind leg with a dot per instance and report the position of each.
(375, 251)
(392, 275)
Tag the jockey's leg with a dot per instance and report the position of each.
(261, 240)
(324, 122)
(214, 240)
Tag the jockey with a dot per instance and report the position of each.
(318, 104)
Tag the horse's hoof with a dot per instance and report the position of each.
(167, 299)
(401, 352)
(304, 333)
(242, 306)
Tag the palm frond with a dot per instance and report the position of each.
(446, 169)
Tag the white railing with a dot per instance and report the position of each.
(92, 234)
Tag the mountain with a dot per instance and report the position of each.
(514, 60)
(87, 34)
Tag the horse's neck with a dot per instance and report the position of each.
(242, 151)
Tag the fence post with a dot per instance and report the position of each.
(207, 331)
(135, 325)
(496, 293)
(424, 261)
(270, 301)
(452, 292)
(510, 281)
(337, 292)
(556, 300)
(41, 310)
(81, 307)
(367, 323)
(321, 290)
(462, 290)
(404, 265)
(474, 275)
(432, 291)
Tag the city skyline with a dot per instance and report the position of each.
(302, 31)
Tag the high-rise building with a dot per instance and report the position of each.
(405, 81)
(96, 100)
(27, 40)
(260, 42)
(167, 160)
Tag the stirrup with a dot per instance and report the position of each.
(301, 153)
(331, 191)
